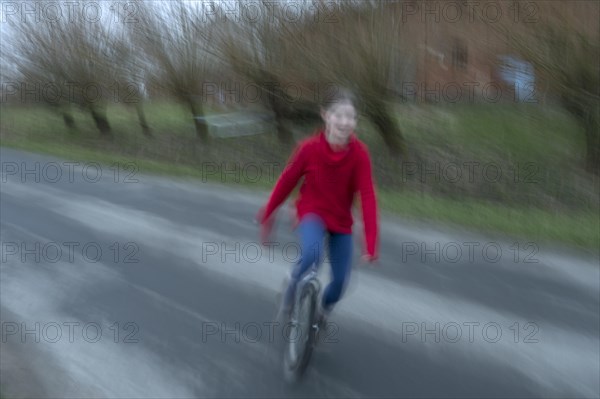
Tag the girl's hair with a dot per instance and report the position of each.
(336, 95)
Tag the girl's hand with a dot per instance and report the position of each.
(367, 259)
(265, 227)
(265, 232)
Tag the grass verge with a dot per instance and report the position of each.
(577, 227)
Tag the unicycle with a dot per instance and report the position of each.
(301, 330)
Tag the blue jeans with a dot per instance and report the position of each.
(312, 232)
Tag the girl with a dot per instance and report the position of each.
(335, 165)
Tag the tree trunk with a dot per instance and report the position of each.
(101, 121)
(199, 121)
(276, 103)
(592, 140)
(284, 134)
(390, 132)
(275, 99)
(142, 119)
(68, 119)
(587, 116)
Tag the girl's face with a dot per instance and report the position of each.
(340, 121)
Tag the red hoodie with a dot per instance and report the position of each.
(331, 179)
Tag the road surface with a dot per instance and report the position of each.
(118, 284)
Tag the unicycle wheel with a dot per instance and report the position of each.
(299, 334)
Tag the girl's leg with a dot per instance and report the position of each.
(312, 232)
(340, 254)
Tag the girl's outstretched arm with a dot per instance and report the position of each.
(286, 183)
(368, 202)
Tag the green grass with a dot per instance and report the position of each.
(522, 132)
(562, 206)
(578, 229)
(147, 166)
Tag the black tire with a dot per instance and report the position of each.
(294, 367)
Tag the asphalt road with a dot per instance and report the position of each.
(117, 284)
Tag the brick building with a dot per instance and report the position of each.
(457, 51)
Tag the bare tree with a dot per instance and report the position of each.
(131, 75)
(40, 66)
(256, 51)
(75, 55)
(177, 38)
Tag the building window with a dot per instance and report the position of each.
(459, 55)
